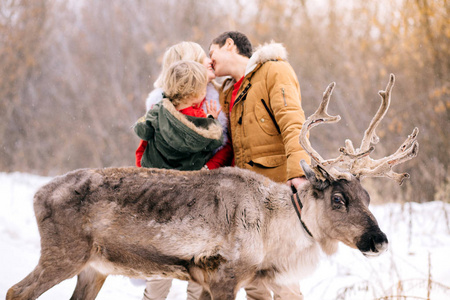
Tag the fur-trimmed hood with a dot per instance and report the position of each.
(212, 131)
(175, 140)
(264, 53)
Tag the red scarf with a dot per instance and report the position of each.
(236, 87)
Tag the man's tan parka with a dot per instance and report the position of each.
(267, 116)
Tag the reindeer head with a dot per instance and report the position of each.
(336, 182)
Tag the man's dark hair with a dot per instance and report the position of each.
(240, 40)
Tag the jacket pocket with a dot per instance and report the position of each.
(266, 119)
(270, 161)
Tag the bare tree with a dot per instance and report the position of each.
(75, 74)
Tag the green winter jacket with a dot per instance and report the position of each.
(177, 141)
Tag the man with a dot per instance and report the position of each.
(262, 100)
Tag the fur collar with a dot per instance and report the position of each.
(264, 53)
(214, 131)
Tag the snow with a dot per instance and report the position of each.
(416, 264)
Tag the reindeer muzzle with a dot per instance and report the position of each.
(373, 243)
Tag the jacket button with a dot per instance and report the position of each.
(262, 120)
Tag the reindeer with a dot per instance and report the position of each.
(221, 228)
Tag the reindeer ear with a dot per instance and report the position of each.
(325, 173)
(312, 177)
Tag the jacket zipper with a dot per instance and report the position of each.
(242, 113)
(240, 100)
(284, 97)
(271, 116)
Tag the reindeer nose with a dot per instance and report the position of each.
(373, 243)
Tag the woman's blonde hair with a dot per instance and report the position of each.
(180, 51)
(184, 79)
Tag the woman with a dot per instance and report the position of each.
(178, 132)
(192, 51)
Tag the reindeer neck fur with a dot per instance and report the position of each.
(294, 253)
(311, 215)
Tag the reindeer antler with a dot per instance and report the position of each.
(358, 162)
(321, 116)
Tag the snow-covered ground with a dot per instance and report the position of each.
(416, 264)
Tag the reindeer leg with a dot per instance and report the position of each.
(223, 285)
(89, 284)
(47, 274)
(218, 284)
(205, 295)
(223, 289)
(61, 259)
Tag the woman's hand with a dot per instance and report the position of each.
(211, 109)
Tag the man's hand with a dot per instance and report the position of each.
(296, 183)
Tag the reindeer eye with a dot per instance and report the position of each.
(338, 199)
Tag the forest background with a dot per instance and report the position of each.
(74, 75)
